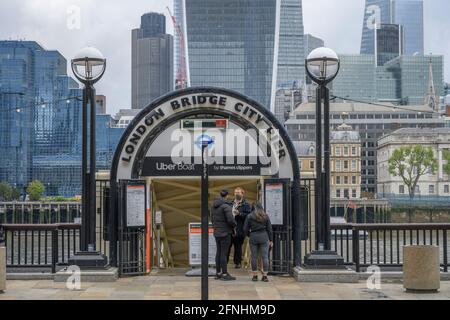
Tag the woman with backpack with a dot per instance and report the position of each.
(259, 229)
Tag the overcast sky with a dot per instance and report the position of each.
(107, 24)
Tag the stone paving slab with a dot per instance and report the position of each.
(174, 285)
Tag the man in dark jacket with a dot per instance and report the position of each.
(224, 224)
(241, 209)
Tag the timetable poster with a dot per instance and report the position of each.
(274, 202)
(135, 206)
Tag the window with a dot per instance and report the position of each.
(346, 180)
(401, 189)
(338, 180)
(338, 165)
(446, 189)
(353, 151)
(338, 193)
(354, 165)
(353, 179)
(337, 151)
(345, 165)
(353, 193)
(346, 193)
(431, 189)
(345, 151)
(311, 164)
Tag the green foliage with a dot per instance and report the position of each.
(411, 163)
(15, 194)
(35, 190)
(5, 191)
(60, 199)
(446, 156)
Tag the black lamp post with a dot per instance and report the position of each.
(204, 142)
(88, 66)
(322, 66)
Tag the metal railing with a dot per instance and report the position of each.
(382, 244)
(28, 212)
(40, 245)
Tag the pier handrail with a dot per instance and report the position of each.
(55, 238)
(384, 241)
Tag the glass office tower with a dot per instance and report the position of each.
(40, 127)
(16, 111)
(356, 78)
(151, 60)
(251, 46)
(376, 12)
(389, 42)
(409, 14)
(291, 53)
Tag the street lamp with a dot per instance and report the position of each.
(204, 142)
(88, 66)
(322, 66)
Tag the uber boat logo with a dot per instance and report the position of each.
(164, 166)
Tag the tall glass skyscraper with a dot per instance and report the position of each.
(389, 42)
(40, 121)
(151, 60)
(376, 13)
(251, 46)
(409, 14)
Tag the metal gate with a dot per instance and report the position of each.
(281, 253)
(131, 238)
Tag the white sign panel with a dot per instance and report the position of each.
(274, 202)
(135, 206)
(195, 245)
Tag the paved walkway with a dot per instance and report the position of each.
(174, 285)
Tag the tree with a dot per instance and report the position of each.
(5, 191)
(15, 194)
(35, 190)
(410, 163)
(446, 156)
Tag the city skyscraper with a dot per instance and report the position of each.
(152, 60)
(389, 42)
(251, 46)
(409, 14)
(376, 12)
(402, 80)
(40, 127)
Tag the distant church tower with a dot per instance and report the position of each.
(431, 99)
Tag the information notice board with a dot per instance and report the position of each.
(195, 245)
(135, 195)
(274, 201)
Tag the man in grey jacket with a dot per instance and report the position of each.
(224, 224)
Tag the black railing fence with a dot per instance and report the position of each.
(45, 212)
(382, 244)
(40, 245)
(49, 245)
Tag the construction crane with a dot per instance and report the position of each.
(181, 80)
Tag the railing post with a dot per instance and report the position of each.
(54, 249)
(355, 246)
(445, 250)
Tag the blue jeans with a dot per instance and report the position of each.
(263, 250)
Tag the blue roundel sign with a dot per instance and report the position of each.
(204, 140)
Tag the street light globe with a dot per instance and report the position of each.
(89, 65)
(322, 65)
